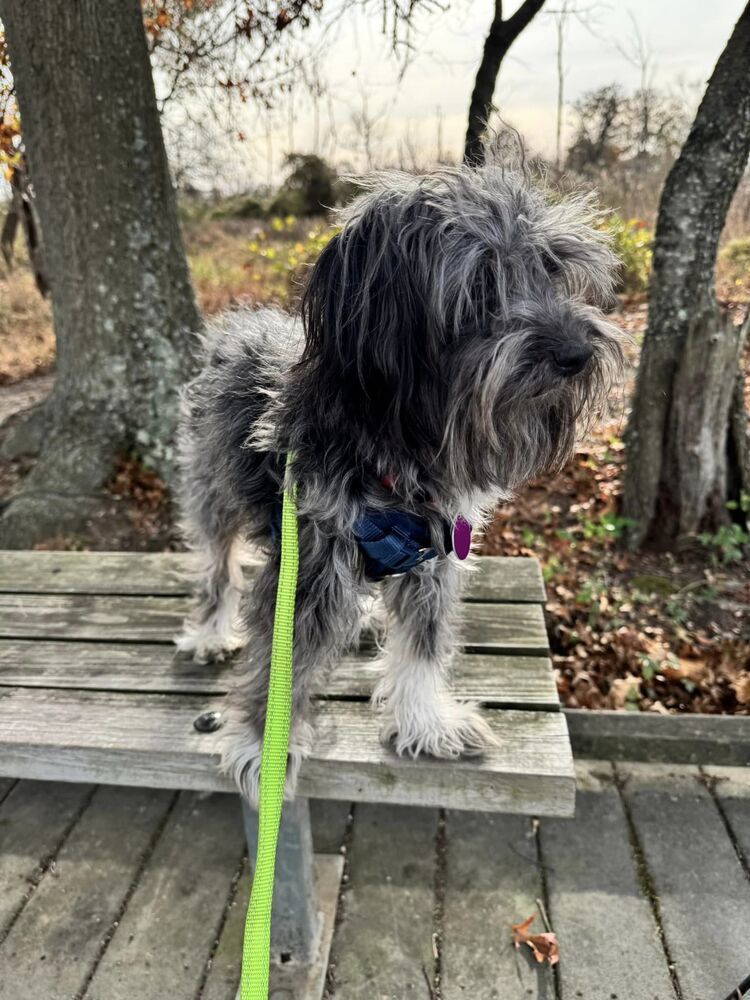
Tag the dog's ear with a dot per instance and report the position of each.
(367, 322)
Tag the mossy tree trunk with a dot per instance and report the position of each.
(687, 453)
(501, 36)
(124, 312)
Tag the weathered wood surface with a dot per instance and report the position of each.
(492, 880)
(6, 786)
(384, 938)
(184, 895)
(596, 902)
(58, 937)
(494, 579)
(36, 818)
(501, 628)
(495, 680)
(703, 892)
(165, 938)
(146, 739)
(731, 786)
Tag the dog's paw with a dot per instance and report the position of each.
(441, 727)
(241, 756)
(208, 642)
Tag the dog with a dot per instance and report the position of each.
(451, 341)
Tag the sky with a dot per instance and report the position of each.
(683, 39)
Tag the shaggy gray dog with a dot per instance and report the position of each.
(451, 339)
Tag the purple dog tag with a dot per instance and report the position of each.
(461, 537)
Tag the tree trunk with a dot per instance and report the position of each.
(124, 311)
(681, 459)
(500, 38)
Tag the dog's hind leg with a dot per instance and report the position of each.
(420, 713)
(211, 523)
(213, 629)
(328, 612)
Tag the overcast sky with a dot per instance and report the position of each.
(683, 37)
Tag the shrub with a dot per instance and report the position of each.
(632, 243)
(243, 207)
(309, 188)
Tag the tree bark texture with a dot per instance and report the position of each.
(123, 306)
(501, 36)
(681, 450)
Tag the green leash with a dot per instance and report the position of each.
(256, 947)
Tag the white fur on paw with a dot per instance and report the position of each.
(425, 718)
(207, 642)
(241, 755)
(448, 731)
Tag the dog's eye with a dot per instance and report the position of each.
(550, 264)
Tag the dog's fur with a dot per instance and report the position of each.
(451, 339)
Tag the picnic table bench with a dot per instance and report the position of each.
(92, 690)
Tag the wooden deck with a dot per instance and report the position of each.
(115, 893)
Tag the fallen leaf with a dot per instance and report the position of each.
(741, 688)
(544, 946)
(625, 689)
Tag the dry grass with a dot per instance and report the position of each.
(27, 342)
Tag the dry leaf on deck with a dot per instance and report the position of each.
(543, 946)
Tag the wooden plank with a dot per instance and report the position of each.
(97, 618)
(597, 906)
(6, 784)
(673, 739)
(495, 578)
(495, 680)
(500, 628)
(385, 932)
(502, 578)
(704, 897)
(492, 880)
(166, 573)
(732, 789)
(142, 739)
(163, 941)
(287, 981)
(223, 968)
(54, 944)
(34, 819)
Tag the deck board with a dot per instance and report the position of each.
(704, 895)
(163, 941)
(34, 819)
(488, 880)
(596, 902)
(54, 944)
(501, 681)
(145, 739)
(493, 579)
(500, 628)
(492, 880)
(384, 937)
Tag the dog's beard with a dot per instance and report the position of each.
(512, 418)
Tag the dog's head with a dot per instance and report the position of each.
(457, 317)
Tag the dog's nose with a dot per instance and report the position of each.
(572, 358)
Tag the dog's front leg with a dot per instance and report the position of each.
(420, 713)
(327, 621)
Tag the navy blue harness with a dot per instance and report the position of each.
(393, 541)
